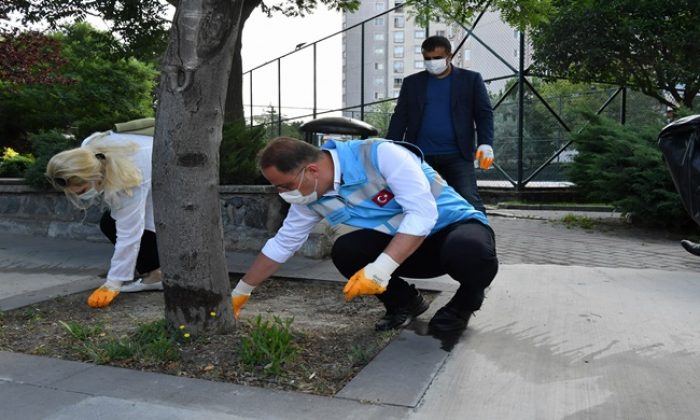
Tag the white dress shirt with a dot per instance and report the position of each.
(402, 171)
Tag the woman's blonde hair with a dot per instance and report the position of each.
(97, 161)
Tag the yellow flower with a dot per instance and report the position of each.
(182, 327)
(212, 313)
(9, 153)
(186, 335)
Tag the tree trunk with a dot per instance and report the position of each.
(189, 118)
(234, 99)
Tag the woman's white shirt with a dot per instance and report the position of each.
(132, 213)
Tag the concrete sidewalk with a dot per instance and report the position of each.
(594, 325)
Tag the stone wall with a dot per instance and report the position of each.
(251, 214)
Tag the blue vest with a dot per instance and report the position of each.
(366, 201)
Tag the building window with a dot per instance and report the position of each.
(378, 95)
(398, 51)
(398, 37)
(399, 21)
(379, 81)
(397, 82)
(379, 21)
(419, 34)
(379, 37)
(440, 33)
(398, 66)
(379, 51)
(417, 50)
(379, 6)
(418, 64)
(467, 55)
(396, 93)
(379, 66)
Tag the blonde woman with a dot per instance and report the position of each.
(115, 167)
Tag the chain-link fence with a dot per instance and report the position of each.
(532, 117)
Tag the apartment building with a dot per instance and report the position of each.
(392, 41)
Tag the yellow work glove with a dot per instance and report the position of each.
(484, 155)
(104, 295)
(239, 296)
(371, 280)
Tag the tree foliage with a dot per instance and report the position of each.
(30, 58)
(103, 89)
(652, 45)
(519, 13)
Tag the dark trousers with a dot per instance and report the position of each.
(460, 175)
(147, 260)
(465, 251)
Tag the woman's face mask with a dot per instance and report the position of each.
(90, 194)
(296, 197)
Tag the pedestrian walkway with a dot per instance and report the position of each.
(578, 324)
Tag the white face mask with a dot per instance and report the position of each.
(90, 194)
(436, 66)
(296, 197)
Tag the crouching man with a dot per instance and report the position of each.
(410, 223)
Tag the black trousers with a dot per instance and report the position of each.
(147, 260)
(466, 251)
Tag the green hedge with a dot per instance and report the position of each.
(623, 166)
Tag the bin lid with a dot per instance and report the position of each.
(689, 123)
(339, 125)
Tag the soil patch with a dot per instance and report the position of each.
(332, 339)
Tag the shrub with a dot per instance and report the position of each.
(622, 165)
(46, 144)
(13, 164)
(239, 149)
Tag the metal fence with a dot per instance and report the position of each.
(531, 129)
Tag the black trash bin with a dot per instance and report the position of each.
(336, 125)
(680, 144)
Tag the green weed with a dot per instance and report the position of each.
(151, 341)
(572, 220)
(31, 314)
(269, 344)
(82, 332)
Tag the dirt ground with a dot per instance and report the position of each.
(333, 339)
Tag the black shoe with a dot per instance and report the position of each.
(691, 247)
(448, 319)
(400, 317)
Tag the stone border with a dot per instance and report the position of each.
(251, 214)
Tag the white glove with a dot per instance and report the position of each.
(484, 155)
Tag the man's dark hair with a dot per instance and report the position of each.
(436, 41)
(287, 154)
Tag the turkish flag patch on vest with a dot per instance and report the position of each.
(382, 198)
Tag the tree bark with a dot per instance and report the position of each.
(234, 99)
(189, 118)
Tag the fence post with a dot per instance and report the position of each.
(279, 96)
(623, 106)
(362, 72)
(521, 108)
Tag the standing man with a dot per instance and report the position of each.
(438, 110)
(410, 223)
